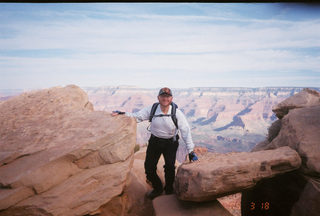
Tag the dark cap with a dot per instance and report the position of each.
(165, 91)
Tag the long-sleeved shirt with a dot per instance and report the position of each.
(163, 127)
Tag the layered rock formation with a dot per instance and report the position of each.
(222, 119)
(297, 193)
(217, 175)
(58, 156)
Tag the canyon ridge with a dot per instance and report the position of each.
(221, 119)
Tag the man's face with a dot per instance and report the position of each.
(165, 100)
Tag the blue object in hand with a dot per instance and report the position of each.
(193, 156)
(119, 112)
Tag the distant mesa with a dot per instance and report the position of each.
(237, 121)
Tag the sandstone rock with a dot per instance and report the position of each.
(84, 192)
(10, 197)
(274, 130)
(168, 205)
(305, 98)
(118, 206)
(137, 187)
(232, 203)
(137, 204)
(300, 130)
(200, 150)
(295, 193)
(59, 156)
(217, 175)
(24, 211)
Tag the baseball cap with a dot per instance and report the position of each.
(165, 91)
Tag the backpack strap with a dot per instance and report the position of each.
(153, 111)
(173, 113)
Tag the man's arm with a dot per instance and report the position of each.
(185, 130)
(140, 116)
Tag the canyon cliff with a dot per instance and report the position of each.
(221, 119)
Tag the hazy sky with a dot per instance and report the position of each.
(156, 44)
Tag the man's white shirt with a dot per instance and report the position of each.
(163, 127)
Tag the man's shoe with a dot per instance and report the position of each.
(169, 191)
(154, 193)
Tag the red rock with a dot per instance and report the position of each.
(305, 98)
(61, 156)
(217, 175)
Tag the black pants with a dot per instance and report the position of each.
(156, 147)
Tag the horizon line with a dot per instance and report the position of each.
(139, 87)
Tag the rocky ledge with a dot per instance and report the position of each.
(217, 175)
(60, 157)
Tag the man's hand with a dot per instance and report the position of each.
(117, 112)
(193, 156)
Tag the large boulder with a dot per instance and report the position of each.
(217, 175)
(300, 129)
(60, 157)
(305, 98)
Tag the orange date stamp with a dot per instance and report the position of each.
(262, 206)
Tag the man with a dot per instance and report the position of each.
(163, 140)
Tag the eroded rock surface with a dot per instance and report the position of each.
(300, 129)
(59, 156)
(305, 98)
(296, 193)
(217, 175)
